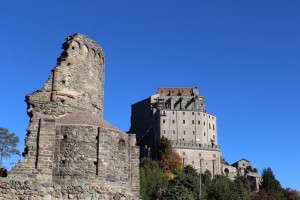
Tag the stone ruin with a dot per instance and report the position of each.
(71, 151)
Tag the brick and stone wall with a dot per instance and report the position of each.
(71, 151)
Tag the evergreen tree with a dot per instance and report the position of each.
(164, 146)
(269, 182)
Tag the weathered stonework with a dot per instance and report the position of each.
(71, 152)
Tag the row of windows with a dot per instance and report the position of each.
(193, 122)
(174, 132)
(164, 113)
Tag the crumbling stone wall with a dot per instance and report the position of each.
(71, 151)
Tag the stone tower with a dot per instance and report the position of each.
(71, 151)
(180, 115)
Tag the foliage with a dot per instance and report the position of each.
(291, 194)
(184, 186)
(221, 188)
(164, 146)
(264, 195)
(152, 180)
(207, 177)
(269, 182)
(242, 187)
(171, 161)
(8, 144)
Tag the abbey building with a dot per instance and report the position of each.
(180, 115)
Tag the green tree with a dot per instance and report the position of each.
(164, 146)
(242, 187)
(269, 182)
(152, 179)
(222, 188)
(8, 144)
(185, 185)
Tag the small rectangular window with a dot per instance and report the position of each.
(173, 132)
(183, 113)
(209, 125)
(204, 123)
(193, 132)
(213, 127)
(193, 121)
(173, 121)
(164, 121)
(183, 132)
(183, 121)
(198, 121)
(192, 113)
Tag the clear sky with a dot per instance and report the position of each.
(244, 56)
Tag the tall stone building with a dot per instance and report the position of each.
(180, 115)
(71, 151)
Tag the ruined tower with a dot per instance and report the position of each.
(71, 151)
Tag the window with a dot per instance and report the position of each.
(164, 131)
(193, 121)
(198, 113)
(192, 113)
(204, 133)
(198, 121)
(204, 114)
(183, 121)
(209, 125)
(213, 127)
(183, 132)
(173, 121)
(183, 113)
(193, 132)
(214, 137)
(208, 116)
(164, 121)
(173, 112)
(173, 132)
(204, 123)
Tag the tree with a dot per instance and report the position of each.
(184, 186)
(269, 182)
(164, 146)
(152, 179)
(8, 144)
(171, 161)
(291, 194)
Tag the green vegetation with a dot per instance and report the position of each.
(8, 144)
(166, 179)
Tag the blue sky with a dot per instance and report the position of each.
(243, 55)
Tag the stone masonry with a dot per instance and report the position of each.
(71, 151)
(180, 115)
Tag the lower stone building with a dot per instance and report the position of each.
(71, 151)
(244, 169)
